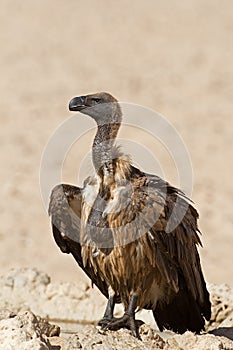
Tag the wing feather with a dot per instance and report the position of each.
(65, 210)
(173, 252)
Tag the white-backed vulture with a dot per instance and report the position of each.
(116, 227)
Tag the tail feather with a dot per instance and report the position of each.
(182, 313)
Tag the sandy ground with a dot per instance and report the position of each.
(172, 56)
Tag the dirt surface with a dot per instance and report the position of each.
(25, 293)
(175, 57)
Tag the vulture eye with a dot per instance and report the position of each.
(96, 100)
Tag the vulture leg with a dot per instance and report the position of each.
(108, 314)
(127, 320)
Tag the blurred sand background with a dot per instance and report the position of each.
(172, 56)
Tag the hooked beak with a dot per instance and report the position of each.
(77, 103)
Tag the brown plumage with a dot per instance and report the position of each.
(132, 233)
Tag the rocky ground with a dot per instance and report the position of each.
(37, 314)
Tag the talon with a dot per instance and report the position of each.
(106, 321)
(103, 322)
(126, 321)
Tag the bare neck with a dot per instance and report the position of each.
(102, 151)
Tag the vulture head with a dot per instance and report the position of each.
(102, 107)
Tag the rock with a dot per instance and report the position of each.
(73, 343)
(90, 338)
(77, 307)
(5, 313)
(190, 341)
(222, 305)
(49, 330)
(228, 322)
(24, 332)
(30, 289)
(20, 288)
(57, 343)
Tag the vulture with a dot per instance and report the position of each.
(133, 234)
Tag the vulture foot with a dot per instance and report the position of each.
(108, 315)
(127, 320)
(105, 321)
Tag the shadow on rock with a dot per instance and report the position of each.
(223, 332)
